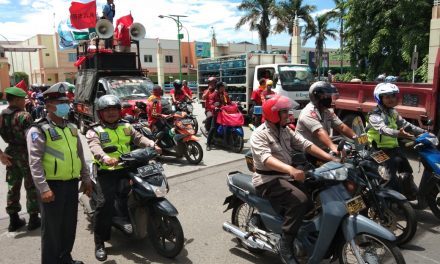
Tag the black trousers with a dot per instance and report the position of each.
(212, 129)
(106, 188)
(398, 163)
(58, 222)
(289, 200)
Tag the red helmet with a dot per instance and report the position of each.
(273, 105)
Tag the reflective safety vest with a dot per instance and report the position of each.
(60, 159)
(382, 141)
(119, 137)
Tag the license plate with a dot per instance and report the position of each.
(380, 156)
(355, 205)
(150, 169)
(362, 139)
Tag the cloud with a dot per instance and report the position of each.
(4, 2)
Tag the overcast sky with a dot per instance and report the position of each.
(21, 19)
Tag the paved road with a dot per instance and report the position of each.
(198, 197)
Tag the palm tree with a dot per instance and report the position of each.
(321, 31)
(339, 12)
(286, 12)
(258, 14)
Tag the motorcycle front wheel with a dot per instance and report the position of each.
(398, 217)
(433, 199)
(371, 249)
(193, 152)
(195, 125)
(237, 142)
(166, 235)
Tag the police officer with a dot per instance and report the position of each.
(317, 118)
(110, 131)
(275, 179)
(384, 127)
(14, 121)
(56, 160)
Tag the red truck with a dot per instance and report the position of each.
(418, 102)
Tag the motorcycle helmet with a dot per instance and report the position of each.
(384, 89)
(212, 79)
(220, 84)
(269, 83)
(108, 101)
(177, 84)
(273, 106)
(319, 89)
(157, 90)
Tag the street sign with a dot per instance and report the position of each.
(180, 36)
(414, 60)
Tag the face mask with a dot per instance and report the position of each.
(62, 110)
(326, 102)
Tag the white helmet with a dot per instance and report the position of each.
(384, 89)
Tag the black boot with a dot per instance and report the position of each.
(100, 252)
(15, 222)
(286, 249)
(34, 222)
(410, 189)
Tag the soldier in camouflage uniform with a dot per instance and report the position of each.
(14, 122)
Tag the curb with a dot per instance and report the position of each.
(202, 169)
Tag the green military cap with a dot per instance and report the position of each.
(15, 91)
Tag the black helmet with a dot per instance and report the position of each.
(220, 84)
(321, 88)
(177, 84)
(107, 101)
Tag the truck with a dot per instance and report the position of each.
(418, 102)
(101, 73)
(242, 72)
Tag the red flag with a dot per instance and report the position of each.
(22, 85)
(83, 15)
(121, 30)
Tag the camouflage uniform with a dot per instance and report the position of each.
(13, 126)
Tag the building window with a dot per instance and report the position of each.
(72, 57)
(148, 58)
(47, 54)
(169, 59)
(186, 60)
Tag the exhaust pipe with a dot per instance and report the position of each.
(247, 238)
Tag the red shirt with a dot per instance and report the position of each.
(256, 96)
(187, 90)
(154, 109)
(264, 94)
(179, 97)
(210, 100)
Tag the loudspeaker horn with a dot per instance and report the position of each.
(104, 29)
(137, 31)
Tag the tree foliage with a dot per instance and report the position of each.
(258, 14)
(381, 34)
(18, 76)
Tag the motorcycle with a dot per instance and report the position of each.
(387, 207)
(177, 139)
(187, 107)
(141, 208)
(333, 229)
(229, 132)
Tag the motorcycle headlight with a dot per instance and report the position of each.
(160, 191)
(339, 174)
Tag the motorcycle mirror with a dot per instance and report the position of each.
(341, 145)
(110, 149)
(358, 126)
(429, 123)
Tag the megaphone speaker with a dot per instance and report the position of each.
(137, 31)
(104, 29)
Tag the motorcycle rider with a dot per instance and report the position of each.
(268, 91)
(275, 179)
(154, 110)
(110, 131)
(208, 96)
(221, 98)
(178, 95)
(384, 127)
(256, 94)
(186, 89)
(317, 118)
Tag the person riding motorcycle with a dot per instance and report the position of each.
(317, 118)
(384, 127)
(209, 96)
(178, 95)
(110, 131)
(186, 89)
(268, 91)
(275, 179)
(256, 94)
(221, 98)
(154, 110)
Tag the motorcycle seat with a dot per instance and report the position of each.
(244, 181)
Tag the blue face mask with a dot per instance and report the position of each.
(62, 110)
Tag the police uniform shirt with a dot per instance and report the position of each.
(310, 120)
(270, 141)
(36, 142)
(377, 121)
(96, 147)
